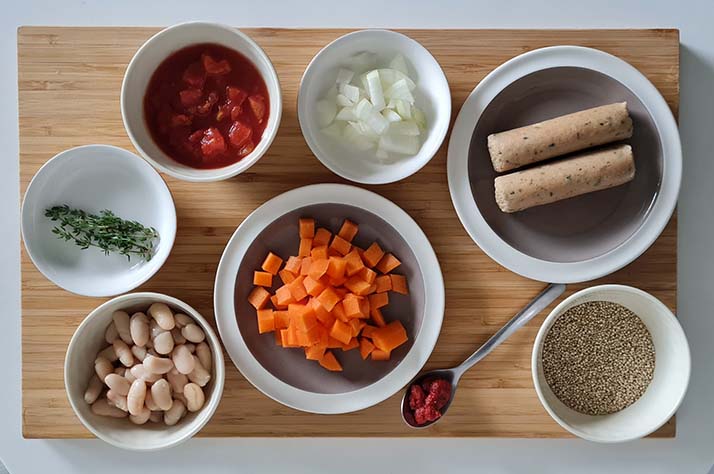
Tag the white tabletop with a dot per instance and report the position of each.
(693, 449)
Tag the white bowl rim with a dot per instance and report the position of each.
(439, 132)
(240, 354)
(548, 322)
(168, 239)
(219, 363)
(214, 174)
(458, 156)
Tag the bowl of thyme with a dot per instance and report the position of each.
(98, 220)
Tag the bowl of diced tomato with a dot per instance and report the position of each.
(329, 298)
(201, 101)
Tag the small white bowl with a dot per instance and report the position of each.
(664, 394)
(432, 96)
(152, 54)
(88, 339)
(94, 178)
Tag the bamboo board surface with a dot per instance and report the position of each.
(69, 82)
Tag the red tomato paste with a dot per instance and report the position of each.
(206, 106)
(426, 400)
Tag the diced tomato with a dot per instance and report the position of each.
(236, 110)
(196, 136)
(194, 75)
(180, 120)
(190, 97)
(205, 108)
(257, 105)
(212, 143)
(246, 149)
(239, 133)
(215, 67)
(236, 95)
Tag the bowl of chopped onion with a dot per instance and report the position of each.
(374, 106)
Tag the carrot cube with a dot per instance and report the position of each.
(315, 352)
(259, 297)
(319, 253)
(333, 343)
(318, 268)
(297, 289)
(266, 321)
(328, 299)
(322, 237)
(368, 331)
(364, 308)
(357, 286)
(336, 282)
(293, 265)
(388, 263)
(353, 344)
(340, 245)
(365, 348)
(367, 275)
(378, 354)
(312, 335)
(313, 287)
(286, 276)
(357, 326)
(378, 300)
(284, 295)
(336, 267)
(326, 318)
(339, 312)
(307, 228)
(399, 284)
(373, 255)
(276, 305)
(372, 289)
(282, 319)
(354, 263)
(341, 331)
(305, 266)
(262, 279)
(305, 247)
(284, 337)
(384, 283)
(272, 263)
(348, 230)
(329, 362)
(376, 315)
(352, 307)
(390, 336)
(278, 337)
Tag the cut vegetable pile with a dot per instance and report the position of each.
(373, 109)
(332, 296)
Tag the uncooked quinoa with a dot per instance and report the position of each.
(598, 358)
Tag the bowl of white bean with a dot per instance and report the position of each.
(144, 371)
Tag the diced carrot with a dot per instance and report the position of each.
(340, 245)
(284, 295)
(262, 279)
(390, 336)
(313, 287)
(297, 289)
(341, 331)
(272, 263)
(329, 362)
(328, 298)
(305, 266)
(305, 247)
(315, 352)
(312, 335)
(303, 316)
(368, 331)
(342, 292)
(259, 297)
(388, 263)
(339, 312)
(276, 305)
(352, 306)
(399, 284)
(353, 344)
(293, 338)
(333, 253)
(364, 308)
(337, 282)
(373, 255)
(266, 321)
(319, 253)
(380, 355)
(284, 337)
(302, 338)
(376, 315)
(333, 343)
(372, 289)
(384, 283)
(326, 318)
(357, 286)
(367, 275)
(318, 268)
(356, 326)
(354, 263)
(281, 319)
(307, 228)
(365, 348)
(336, 267)
(322, 237)
(293, 265)
(278, 337)
(286, 276)
(378, 300)
(348, 230)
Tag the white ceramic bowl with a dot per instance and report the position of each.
(597, 264)
(142, 67)
(94, 178)
(664, 394)
(284, 374)
(88, 339)
(432, 96)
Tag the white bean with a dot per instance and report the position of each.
(142, 417)
(136, 397)
(103, 367)
(117, 400)
(111, 333)
(129, 376)
(191, 347)
(183, 360)
(194, 397)
(139, 329)
(156, 416)
(117, 384)
(140, 372)
(164, 343)
(177, 380)
(157, 365)
(150, 403)
(102, 408)
(94, 389)
(109, 354)
(124, 353)
(163, 316)
(193, 333)
(154, 330)
(199, 375)
(182, 319)
(161, 394)
(121, 321)
(178, 337)
(175, 413)
(203, 352)
(139, 352)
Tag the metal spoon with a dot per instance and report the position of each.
(537, 304)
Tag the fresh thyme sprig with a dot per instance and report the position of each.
(105, 231)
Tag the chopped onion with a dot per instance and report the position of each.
(374, 86)
(400, 64)
(344, 76)
(326, 112)
(391, 115)
(351, 92)
(346, 113)
(404, 128)
(404, 144)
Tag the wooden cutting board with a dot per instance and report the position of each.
(69, 82)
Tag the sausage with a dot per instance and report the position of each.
(582, 174)
(555, 137)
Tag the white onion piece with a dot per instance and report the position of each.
(374, 87)
(400, 64)
(326, 111)
(345, 114)
(351, 92)
(344, 76)
(404, 144)
(343, 101)
(404, 128)
(391, 115)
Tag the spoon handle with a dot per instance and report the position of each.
(537, 304)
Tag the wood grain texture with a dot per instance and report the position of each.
(69, 82)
